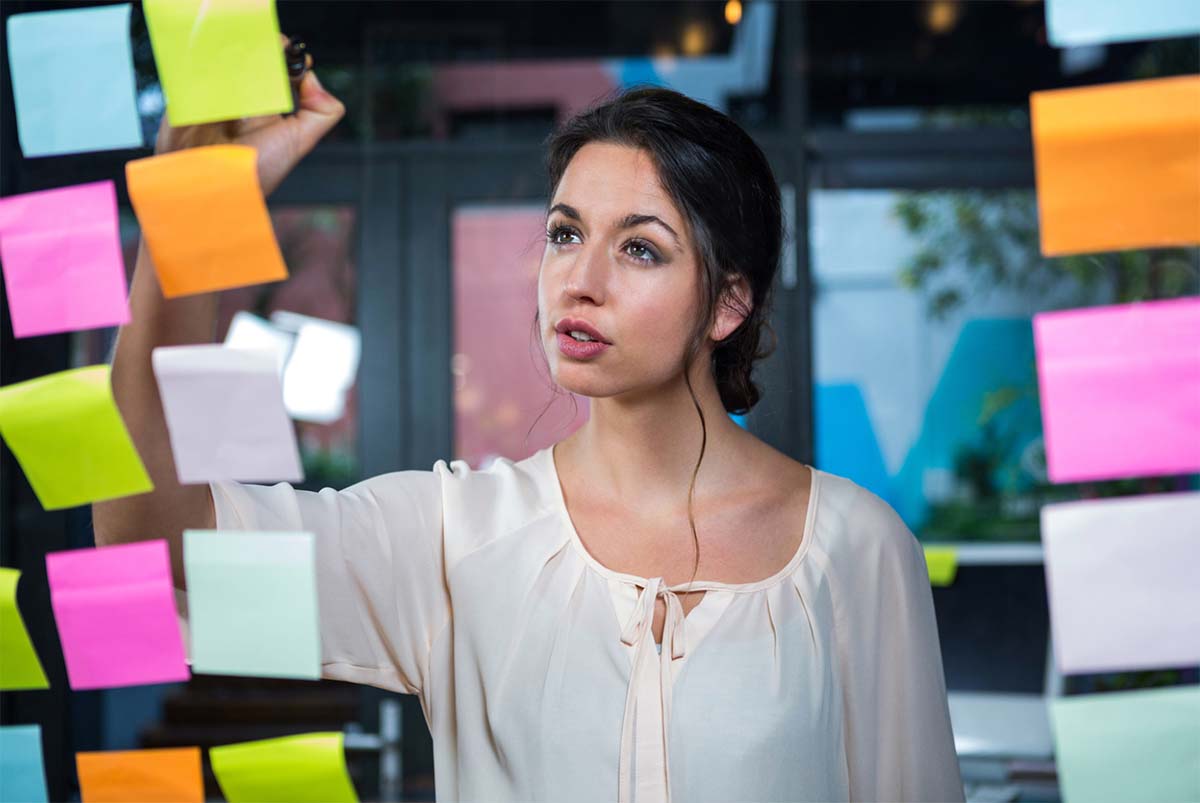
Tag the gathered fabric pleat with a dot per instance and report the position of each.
(645, 729)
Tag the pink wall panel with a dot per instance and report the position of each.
(500, 377)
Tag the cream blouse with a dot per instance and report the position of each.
(537, 668)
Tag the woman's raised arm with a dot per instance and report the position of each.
(155, 321)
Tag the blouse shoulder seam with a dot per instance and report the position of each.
(538, 516)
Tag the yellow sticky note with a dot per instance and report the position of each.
(218, 59)
(1118, 166)
(204, 219)
(19, 664)
(942, 563)
(308, 768)
(160, 775)
(67, 434)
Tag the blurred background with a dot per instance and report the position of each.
(899, 132)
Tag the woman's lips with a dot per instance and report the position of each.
(580, 349)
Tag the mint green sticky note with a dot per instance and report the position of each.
(218, 59)
(252, 603)
(1139, 745)
(72, 78)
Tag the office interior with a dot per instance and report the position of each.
(899, 132)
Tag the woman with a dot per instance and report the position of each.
(547, 611)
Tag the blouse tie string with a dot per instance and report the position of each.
(645, 727)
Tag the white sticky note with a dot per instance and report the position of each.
(248, 331)
(321, 368)
(1070, 23)
(1123, 577)
(225, 415)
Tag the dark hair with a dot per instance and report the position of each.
(721, 182)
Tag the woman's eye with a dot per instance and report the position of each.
(556, 232)
(647, 253)
(638, 249)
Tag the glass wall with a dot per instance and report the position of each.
(925, 382)
(317, 243)
(505, 404)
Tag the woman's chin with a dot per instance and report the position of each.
(582, 380)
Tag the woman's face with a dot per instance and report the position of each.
(619, 260)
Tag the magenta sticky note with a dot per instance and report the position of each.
(1120, 389)
(115, 609)
(61, 254)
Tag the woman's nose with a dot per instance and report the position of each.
(586, 277)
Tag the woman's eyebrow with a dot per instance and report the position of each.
(627, 222)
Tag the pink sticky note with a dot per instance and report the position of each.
(1120, 389)
(115, 609)
(61, 253)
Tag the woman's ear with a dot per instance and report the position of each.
(733, 308)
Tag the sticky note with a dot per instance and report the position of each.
(22, 774)
(161, 775)
(252, 603)
(61, 254)
(204, 219)
(73, 81)
(1071, 23)
(225, 415)
(942, 563)
(321, 367)
(19, 664)
(1117, 165)
(1119, 389)
(1131, 745)
(308, 768)
(218, 59)
(67, 434)
(248, 331)
(1123, 582)
(115, 610)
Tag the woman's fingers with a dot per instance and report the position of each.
(318, 112)
(281, 140)
(170, 138)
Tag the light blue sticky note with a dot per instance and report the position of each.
(73, 84)
(1071, 23)
(252, 603)
(22, 775)
(1139, 745)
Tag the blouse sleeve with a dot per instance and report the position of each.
(381, 591)
(900, 744)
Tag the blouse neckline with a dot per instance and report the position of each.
(560, 507)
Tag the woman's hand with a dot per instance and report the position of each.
(281, 141)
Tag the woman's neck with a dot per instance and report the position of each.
(643, 449)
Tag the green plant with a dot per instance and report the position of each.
(993, 236)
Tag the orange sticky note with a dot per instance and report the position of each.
(164, 775)
(1118, 166)
(204, 219)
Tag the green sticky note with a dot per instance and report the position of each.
(67, 434)
(308, 768)
(218, 59)
(1139, 745)
(19, 664)
(942, 563)
(252, 603)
